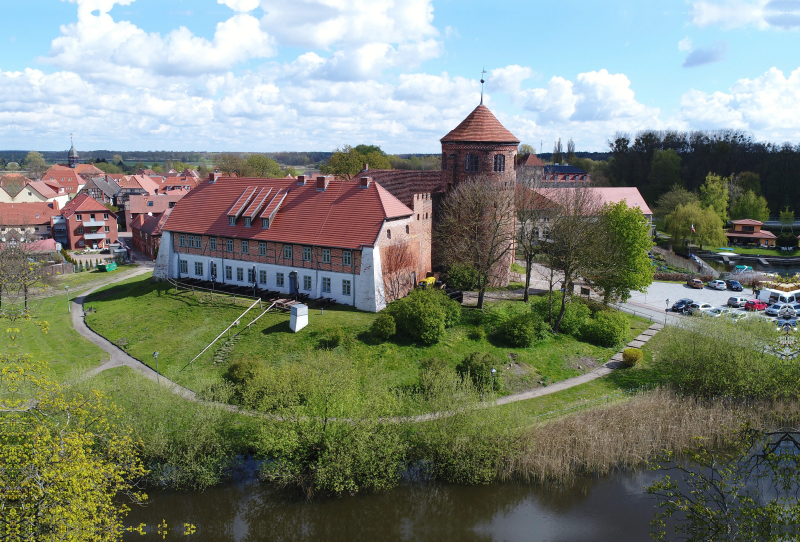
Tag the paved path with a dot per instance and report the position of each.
(614, 363)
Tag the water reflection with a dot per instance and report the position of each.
(607, 509)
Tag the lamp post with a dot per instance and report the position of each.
(493, 373)
(69, 307)
(155, 355)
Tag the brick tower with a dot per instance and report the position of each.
(480, 145)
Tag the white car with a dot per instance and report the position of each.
(717, 285)
(716, 313)
(698, 309)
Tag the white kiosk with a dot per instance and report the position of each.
(299, 318)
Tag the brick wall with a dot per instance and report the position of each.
(454, 161)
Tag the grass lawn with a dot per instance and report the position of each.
(68, 353)
(771, 252)
(78, 282)
(142, 317)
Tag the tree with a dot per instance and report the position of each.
(665, 171)
(232, 165)
(572, 239)
(748, 205)
(622, 264)
(571, 151)
(398, 264)
(714, 195)
(64, 460)
(558, 151)
(108, 168)
(348, 161)
(532, 210)
(262, 166)
(12, 166)
(35, 163)
(20, 274)
(524, 148)
(670, 201)
(476, 228)
(747, 180)
(787, 219)
(117, 159)
(706, 223)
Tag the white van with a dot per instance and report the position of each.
(767, 295)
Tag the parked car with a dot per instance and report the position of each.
(698, 309)
(737, 302)
(681, 304)
(734, 285)
(716, 313)
(754, 305)
(717, 285)
(695, 283)
(786, 312)
(775, 308)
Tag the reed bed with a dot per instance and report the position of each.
(626, 435)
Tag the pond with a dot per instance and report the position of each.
(612, 508)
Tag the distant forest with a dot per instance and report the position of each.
(648, 162)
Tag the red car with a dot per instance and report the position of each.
(755, 305)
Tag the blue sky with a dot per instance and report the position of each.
(266, 75)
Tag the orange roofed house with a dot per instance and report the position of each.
(323, 237)
(85, 223)
(748, 231)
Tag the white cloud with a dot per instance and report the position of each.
(762, 14)
(508, 79)
(240, 5)
(707, 55)
(768, 106)
(685, 44)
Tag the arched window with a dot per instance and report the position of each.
(388, 234)
(499, 162)
(472, 162)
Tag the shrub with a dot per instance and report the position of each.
(522, 329)
(631, 356)
(383, 327)
(424, 314)
(575, 316)
(462, 277)
(478, 366)
(787, 240)
(241, 371)
(334, 338)
(606, 329)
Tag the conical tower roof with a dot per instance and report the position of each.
(481, 125)
(72, 152)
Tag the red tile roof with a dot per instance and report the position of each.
(42, 245)
(139, 203)
(751, 235)
(43, 189)
(530, 160)
(83, 169)
(404, 183)
(606, 194)
(151, 225)
(12, 214)
(481, 125)
(134, 182)
(747, 222)
(64, 177)
(83, 203)
(344, 215)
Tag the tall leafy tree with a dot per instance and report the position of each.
(787, 219)
(665, 171)
(749, 205)
(263, 166)
(558, 152)
(348, 161)
(669, 201)
(706, 223)
(34, 162)
(714, 195)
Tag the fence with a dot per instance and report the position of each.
(212, 293)
(642, 314)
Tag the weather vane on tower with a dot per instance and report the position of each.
(483, 72)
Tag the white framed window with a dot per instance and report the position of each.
(182, 240)
(262, 276)
(105, 216)
(79, 217)
(231, 221)
(212, 243)
(307, 254)
(228, 272)
(345, 287)
(184, 267)
(247, 222)
(191, 241)
(279, 279)
(265, 223)
(198, 269)
(245, 247)
(262, 248)
(326, 285)
(326, 255)
(251, 277)
(347, 257)
(80, 230)
(287, 252)
(239, 274)
(306, 282)
(229, 245)
(109, 229)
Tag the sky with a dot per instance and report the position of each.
(302, 75)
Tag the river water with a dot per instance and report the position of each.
(608, 509)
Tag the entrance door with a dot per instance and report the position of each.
(213, 271)
(293, 282)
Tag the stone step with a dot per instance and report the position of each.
(636, 344)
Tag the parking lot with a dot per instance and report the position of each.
(659, 292)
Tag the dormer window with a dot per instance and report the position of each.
(265, 223)
(247, 222)
(231, 221)
(149, 203)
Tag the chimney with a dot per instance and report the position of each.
(366, 166)
(301, 180)
(322, 183)
(365, 182)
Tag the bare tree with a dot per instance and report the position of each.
(533, 212)
(476, 228)
(572, 239)
(398, 264)
(20, 276)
